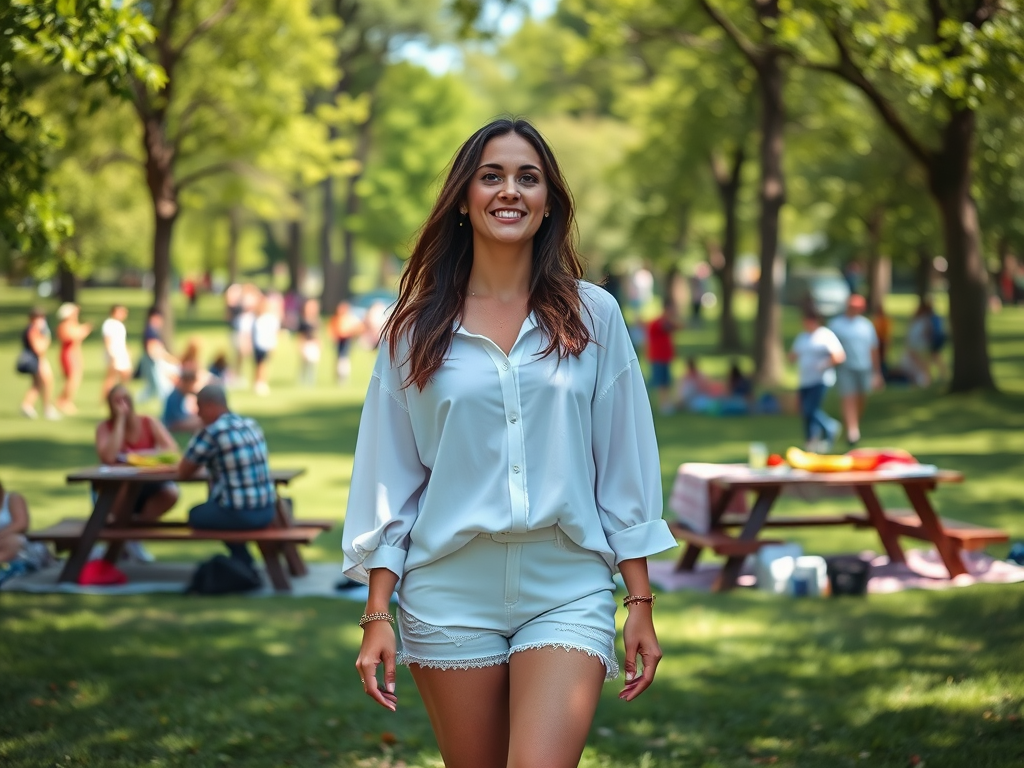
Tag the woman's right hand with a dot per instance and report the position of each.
(378, 647)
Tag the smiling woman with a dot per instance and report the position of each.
(506, 466)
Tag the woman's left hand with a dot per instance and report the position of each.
(640, 640)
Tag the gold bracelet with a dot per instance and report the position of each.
(368, 617)
(629, 600)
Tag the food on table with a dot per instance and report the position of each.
(159, 459)
(775, 460)
(818, 462)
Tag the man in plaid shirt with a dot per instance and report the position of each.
(234, 452)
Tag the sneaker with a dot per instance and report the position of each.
(29, 411)
(133, 550)
(52, 414)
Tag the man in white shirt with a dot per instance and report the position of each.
(115, 345)
(861, 372)
(817, 352)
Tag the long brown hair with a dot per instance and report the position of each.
(433, 289)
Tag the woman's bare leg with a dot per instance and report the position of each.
(158, 504)
(468, 710)
(553, 697)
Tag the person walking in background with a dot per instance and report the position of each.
(936, 342)
(309, 341)
(232, 310)
(32, 361)
(918, 345)
(661, 351)
(234, 452)
(252, 298)
(71, 333)
(118, 362)
(265, 330)
(506, 466)
(373, 323)
(345, 326)
(158, 367)
(816, 352)
(861, 372)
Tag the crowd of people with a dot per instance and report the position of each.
(256, 321)
(850, 352)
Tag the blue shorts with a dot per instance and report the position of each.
(661, 375)
(259, 355)
(506, 592)
(851, 381)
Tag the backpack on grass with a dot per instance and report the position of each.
(222, 575)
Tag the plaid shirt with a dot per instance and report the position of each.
(234, 452)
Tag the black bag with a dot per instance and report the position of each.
(221, 575)
(27, 362)
(848, 575)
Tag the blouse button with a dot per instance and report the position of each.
(513, 418)
(515, 468)
(504, 366)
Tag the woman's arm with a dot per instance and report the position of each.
(109, 440)
(638, 634)
(38, 341)
(379, 644)
(18, 508)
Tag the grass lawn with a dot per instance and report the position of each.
(918, 678)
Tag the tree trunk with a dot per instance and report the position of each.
(162, 231)
(234, 234)
(768, 356)
(164, 194)
(331, 293)
(923, 273)
(348, 262)
(296, 267)
(728, 183)
(68, 290)
(875, 223)
(949, 176)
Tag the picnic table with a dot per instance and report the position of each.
(949, 537)
(117, 490)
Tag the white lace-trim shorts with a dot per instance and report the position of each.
(508, 592)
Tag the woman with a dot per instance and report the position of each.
(126, 431)
(506, 466)
(816, 352)
(918, 345)
(71, 334)
(115, 347)
(35, 340)
(13, 523)
(159, 367)
(345, 326)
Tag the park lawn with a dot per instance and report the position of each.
(747, 679)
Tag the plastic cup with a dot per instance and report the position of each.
(757, 455)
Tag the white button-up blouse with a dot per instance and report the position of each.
(497, 444)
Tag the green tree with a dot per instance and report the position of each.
(926, 69)
(97, 41)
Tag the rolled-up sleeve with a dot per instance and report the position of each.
(387, 479)
(628, 470)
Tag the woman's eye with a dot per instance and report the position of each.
(528, 178)
(491, 177)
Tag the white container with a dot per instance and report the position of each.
(809, 577)
(774, 566)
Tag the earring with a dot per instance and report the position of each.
(546, 214)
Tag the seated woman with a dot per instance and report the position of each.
(13, 524)
(127, 431)
(180, 413)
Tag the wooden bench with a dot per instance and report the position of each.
(272, 542)
(969, 536)
(719, 543)
(799, 521)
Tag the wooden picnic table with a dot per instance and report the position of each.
(949, 537)
(117, 490)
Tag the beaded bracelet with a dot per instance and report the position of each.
(368, 617)
(629, 600)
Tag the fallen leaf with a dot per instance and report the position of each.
(388, 738)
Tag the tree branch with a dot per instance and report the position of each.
(848, 69)
(747, 48)
(210, 170)
(204, 26)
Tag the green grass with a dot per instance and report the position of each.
(748, 679)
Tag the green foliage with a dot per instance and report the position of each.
(97, 41)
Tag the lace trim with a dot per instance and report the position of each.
(486, 661)
(610, 664)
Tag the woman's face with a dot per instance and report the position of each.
(508, 194)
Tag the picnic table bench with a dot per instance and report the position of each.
(118, 488)
(950, 537)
